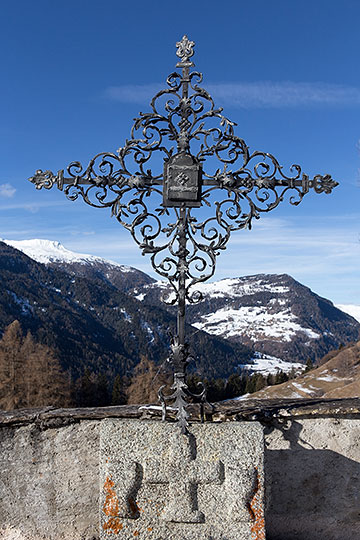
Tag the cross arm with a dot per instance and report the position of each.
(320, 183)
(47, 180)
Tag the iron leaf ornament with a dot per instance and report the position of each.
(185, 49)
(183, 157)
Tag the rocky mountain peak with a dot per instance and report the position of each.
(49, 251)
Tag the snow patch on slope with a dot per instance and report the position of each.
(271, 365)
(254, 321)
(24, 303)
(48, 251)
(302, 388)
(229, 288)
(236, 287)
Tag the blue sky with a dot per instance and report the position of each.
(75, 74)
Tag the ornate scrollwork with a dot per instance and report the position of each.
(184, 126)
(124, 181)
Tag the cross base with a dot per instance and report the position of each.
(158, 484)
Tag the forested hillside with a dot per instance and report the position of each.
(31, 376)
(30, 373)
(92, 324)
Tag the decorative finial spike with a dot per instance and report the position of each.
(185, 49)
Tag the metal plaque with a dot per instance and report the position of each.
(182, 181)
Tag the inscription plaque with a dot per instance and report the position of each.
(182, 181)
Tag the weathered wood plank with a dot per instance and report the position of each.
(250, 409)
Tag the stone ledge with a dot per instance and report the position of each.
(250, 410)
(50, 477)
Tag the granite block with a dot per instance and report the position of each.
(158, 484)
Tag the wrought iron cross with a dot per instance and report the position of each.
(182, 157)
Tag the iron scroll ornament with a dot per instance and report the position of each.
(158, 189)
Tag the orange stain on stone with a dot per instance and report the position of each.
(111, 508)
(113, 525)
(257, 513)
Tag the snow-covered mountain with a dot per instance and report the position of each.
(273, 319)
(274, 314)
(54, 254)
(49, 251)
(278, 317)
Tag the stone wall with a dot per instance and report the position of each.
(49, 480)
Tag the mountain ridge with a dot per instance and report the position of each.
(48, 251)
(93, 324)
(272, 314)
(55, 255)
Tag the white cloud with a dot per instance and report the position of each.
(256, 95)
(7, 191)
(285, 94)
(32, 207)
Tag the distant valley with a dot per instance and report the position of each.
(105, 315)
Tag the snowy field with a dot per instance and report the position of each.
(255, 321)
(270, 365)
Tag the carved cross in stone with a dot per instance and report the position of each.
(183, 472)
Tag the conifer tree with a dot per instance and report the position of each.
(30, 374)
(281, 377)
(309, 365)
(85, 389)
(249, 384)
(46, 383)
(235, 386)
(102, 392)
(260, 382)
(145, 382)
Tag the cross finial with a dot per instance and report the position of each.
(185, 49)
